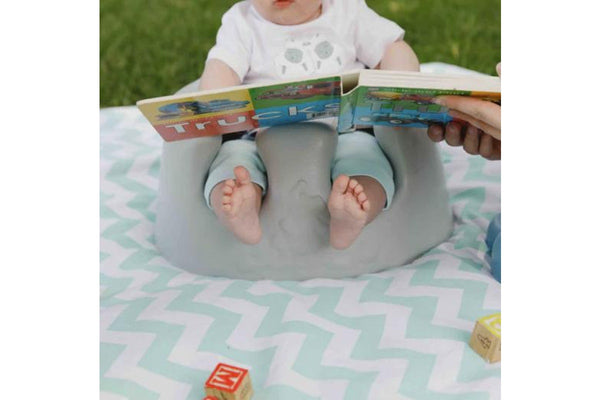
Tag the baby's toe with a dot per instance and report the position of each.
(358, 189)
(340, 184)
(361, 197)
(242, 175)
(230, 183)
(366, 205)
(353, 184)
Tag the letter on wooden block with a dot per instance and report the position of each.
(485, 339)
(229, 383)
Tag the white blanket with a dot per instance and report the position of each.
(399, 334)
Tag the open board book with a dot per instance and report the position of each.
(356, 98)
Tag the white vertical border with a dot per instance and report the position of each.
(550, 201)
(49, 208)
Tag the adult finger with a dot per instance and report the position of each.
(435, 133)
(471, 143)
(490, 130)
(489, 147)
(482, 110)
(454, 134)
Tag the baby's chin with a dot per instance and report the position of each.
(283, 19)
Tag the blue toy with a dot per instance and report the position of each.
(493, 243)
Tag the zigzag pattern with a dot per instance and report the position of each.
(399, 334)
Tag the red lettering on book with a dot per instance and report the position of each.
(207, 126)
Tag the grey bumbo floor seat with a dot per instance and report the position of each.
(294, 216)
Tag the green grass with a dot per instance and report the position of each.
(152, 48)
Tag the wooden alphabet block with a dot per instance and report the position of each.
(485, 339)
(229, 383)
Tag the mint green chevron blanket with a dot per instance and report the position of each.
(399, 334)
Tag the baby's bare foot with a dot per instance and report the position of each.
(237, 203)
(348, 206)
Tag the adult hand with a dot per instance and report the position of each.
(476, 126)
(472, 139)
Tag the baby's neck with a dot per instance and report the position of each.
(312, 17)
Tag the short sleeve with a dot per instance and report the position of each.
(373, 34)
(233, 44)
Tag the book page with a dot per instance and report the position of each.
(397, 98)
(421, 80)
(242, 108)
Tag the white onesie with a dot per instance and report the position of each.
(347, 35)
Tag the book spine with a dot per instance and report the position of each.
(347, 111)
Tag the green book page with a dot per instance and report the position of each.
(400, 106)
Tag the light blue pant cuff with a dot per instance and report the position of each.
(230, 155)
(358, 153)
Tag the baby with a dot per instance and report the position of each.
(268, 40)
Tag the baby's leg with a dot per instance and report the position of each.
(235, 187)
(363, 184)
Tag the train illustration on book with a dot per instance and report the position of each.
(294, 92)
(378, 95)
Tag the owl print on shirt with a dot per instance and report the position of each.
(316, 54)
